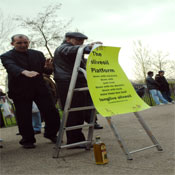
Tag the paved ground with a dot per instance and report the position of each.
(161, 119)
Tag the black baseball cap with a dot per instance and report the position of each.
(76, 35)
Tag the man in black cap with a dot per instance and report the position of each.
(64, 58)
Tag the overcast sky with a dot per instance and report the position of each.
(114, 22)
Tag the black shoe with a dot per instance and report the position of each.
(25, 142)
(53, 139)
(28, 145)
(18, 134)
(97, 126)
(37, 132)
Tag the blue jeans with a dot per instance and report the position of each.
(36, 121)
(157, 96)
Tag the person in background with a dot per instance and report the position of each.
(36, 119)
(51, 86)
(153, 88)
(1, 119)
(25, 68)
(164, 86)
(64, 59)
(2, 93)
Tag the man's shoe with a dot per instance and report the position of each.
(28, 145)
(25, 142)
(53, 139)
(97, 126)
(37, 132)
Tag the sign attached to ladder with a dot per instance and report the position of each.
(111, 91)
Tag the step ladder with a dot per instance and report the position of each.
(68, 109)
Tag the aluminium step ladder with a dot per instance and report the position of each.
(68, 109)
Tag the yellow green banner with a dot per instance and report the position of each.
(111, 91)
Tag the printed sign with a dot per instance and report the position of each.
(111, 91)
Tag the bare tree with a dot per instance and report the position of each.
(142, 61)
(46, 30)
(172, 68)
(145, 60)
(160, 61)
(6, 28)
(169, 72)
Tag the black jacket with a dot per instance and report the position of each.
(164, 86)
(64, 59)
(151, 83)
(19, 85)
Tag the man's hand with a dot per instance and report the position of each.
(89, 47)
(29, 74)
(92, 44)
(49, 64)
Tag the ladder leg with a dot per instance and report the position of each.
(58, 144)
(60, 136)
(148, 131)
(120, 141)
(91, 129)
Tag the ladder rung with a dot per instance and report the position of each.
(81, 108)
(77, 127)
(75, 144)
(81, 89)
(148, 147)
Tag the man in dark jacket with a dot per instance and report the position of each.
(164, 86)
(64, 59)
(153, 88)
(25, 68)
